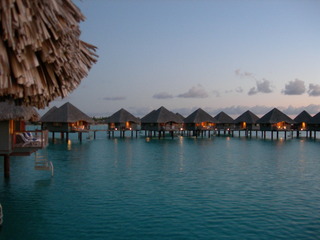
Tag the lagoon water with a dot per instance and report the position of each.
(182, 188)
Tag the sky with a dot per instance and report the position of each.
(218, 55)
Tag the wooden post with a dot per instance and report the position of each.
(94, 134)
(52, 136)
(80, 136)
(6, 166)
(67, 136)
(285, 134)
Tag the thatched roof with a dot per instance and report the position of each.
(315, 119)
(9, 111)
(162, 115)
(199, 116)
(304, 116)
(50, 111)
(180, 117)
(222, 117)
(41, 55)
(67, 113)
(275, 116)
(122, 116)
(247, 117)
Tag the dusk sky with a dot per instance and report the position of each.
(219, 55)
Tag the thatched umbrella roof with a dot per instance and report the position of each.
(9, 111)
(222, 117)
(304, 116)
(162, 115)
(67, 113)
(41, 55)
(199, 116)
(122, 116)
(315, 119)
(248, 117)
(275, 116)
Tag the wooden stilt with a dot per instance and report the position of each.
(67, 136)
(6, 166)
(285, 134)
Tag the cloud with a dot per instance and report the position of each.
(295, 87)
(113, 98)
(263, 86)
(239, 90)
(195, 92)
(162, 95)
(314, 90)
(241, 74)
(216, 93)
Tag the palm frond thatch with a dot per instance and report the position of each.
(304, 116)
(67, 113)
(199, 116)
(9, 111)
(161, 115)
(275, 116)
(122, 116)
(41, 55)
(248, 117)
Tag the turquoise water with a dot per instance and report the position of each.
(182, 188)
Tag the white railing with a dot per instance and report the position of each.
(30, 139)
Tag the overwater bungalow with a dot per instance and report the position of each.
(15, 140)
(199, 122)
(247, 121)
(123, 121)
(160, 121)
(302, 121)
(224, 123)
(66, 119)
(314, 124)
(275, 120)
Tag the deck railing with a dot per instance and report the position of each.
(31, 139)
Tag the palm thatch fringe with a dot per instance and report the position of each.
(41, 55)
(9, 111)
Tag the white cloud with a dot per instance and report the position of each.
(239, 90)
(216, 93)
(295, 87)
(195, 92)
(241, 74)
(263, 86)
(314, 90)
(113, 98)
(162, 95)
